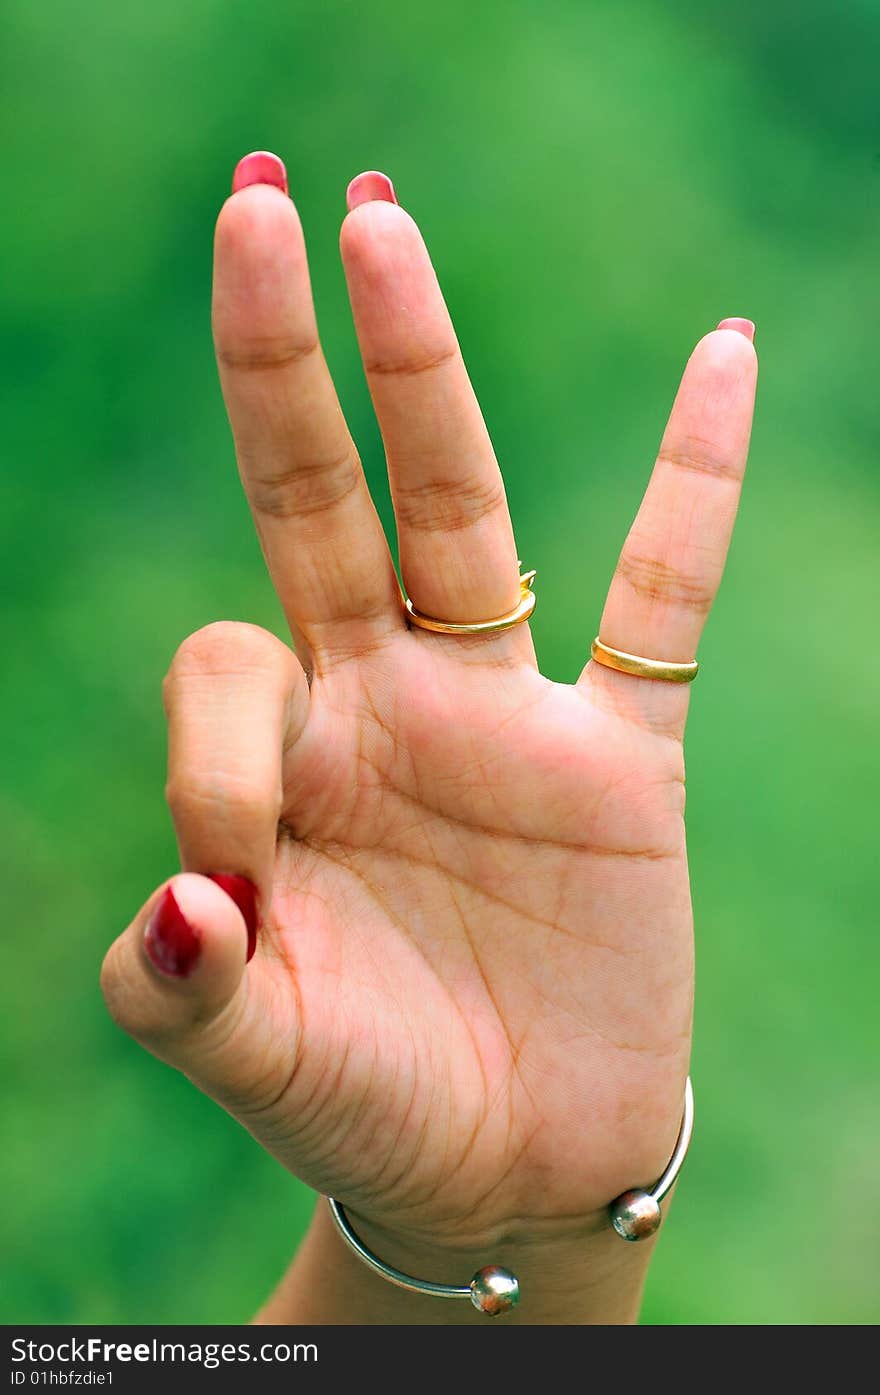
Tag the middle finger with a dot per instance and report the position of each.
(321, 535)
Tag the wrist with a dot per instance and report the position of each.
(583, 1274)
(573, 1272)
(547, 1245)
(452, 1256)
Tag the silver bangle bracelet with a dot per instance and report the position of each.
(493, 1290)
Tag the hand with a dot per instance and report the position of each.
(468, 1015)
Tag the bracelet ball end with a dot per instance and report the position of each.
(494, 1290)
(635, 1215)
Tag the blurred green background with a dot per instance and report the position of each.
(599, 184)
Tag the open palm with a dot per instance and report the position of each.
(470, 1000)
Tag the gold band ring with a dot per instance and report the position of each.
(521, 611)
(643, 668)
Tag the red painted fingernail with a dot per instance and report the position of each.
(745, 327)
(244, 894)
(260, 167)
(368, 187)
(171, 942)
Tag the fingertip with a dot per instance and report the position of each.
(243, 892)
(722, 352)
(381, 241)
(195, 933)
(731, 348)
(260, 167)
(172, 939)
(740, 326)
(179, 963)
(369, 187)
(254, 220)
(260, 267)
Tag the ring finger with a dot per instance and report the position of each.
(458, 557)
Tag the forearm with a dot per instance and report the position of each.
(592, 1278)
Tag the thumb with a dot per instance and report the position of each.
(175, 976)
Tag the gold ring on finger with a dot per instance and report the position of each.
(521, 611)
